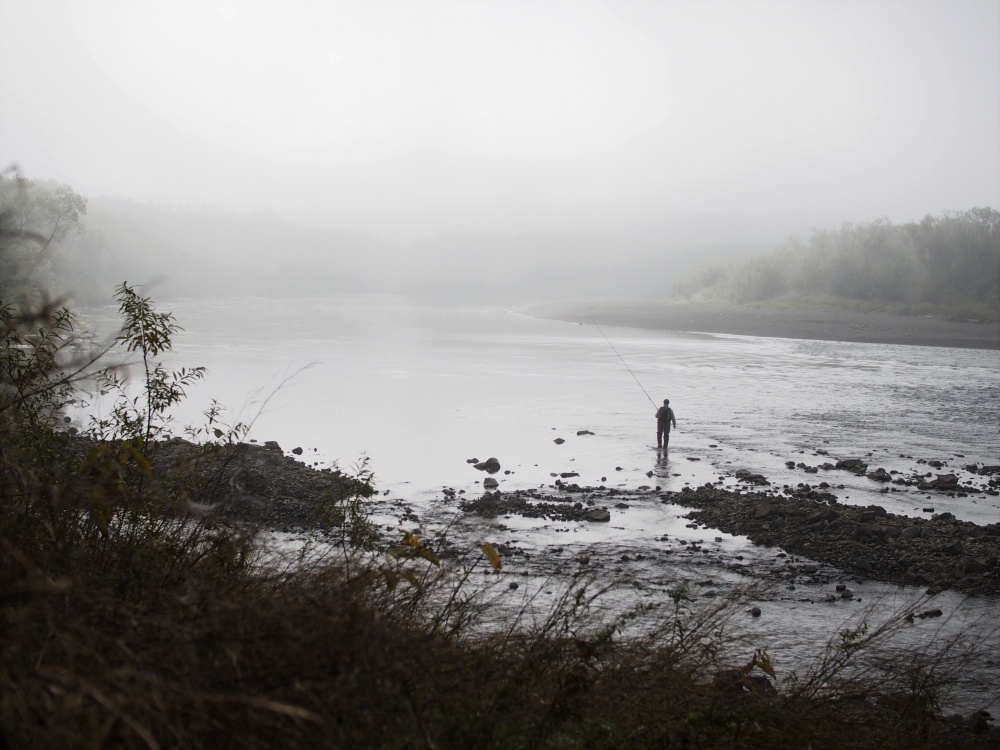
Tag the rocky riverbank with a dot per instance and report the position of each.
(253, 483)
(262, 485)
(940, 552)
(868, 542)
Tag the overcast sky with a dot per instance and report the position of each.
(416, 117)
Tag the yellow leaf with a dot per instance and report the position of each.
(425, 553)
(391, 579)
(493, 556)
(140, 459)
(764, 662)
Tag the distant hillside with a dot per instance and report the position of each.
(947, 265)
(210, 252)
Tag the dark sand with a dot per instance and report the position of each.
(821, 325)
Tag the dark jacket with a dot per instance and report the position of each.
(665, 418)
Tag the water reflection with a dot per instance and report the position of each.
(661, 469)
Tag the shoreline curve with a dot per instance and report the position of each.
(817, 325)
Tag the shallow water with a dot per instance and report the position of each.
(420, 389)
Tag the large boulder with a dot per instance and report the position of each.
(880, 475)
(853, 464)
(745, 475)
(490, 465)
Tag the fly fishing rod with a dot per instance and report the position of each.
(621, 358)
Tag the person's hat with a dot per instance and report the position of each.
(666, 400)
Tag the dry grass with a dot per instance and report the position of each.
(328, 656)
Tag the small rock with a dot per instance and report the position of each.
(955, 548)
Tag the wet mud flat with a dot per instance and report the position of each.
(867, 543)
(266, 487)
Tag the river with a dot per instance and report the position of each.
(420, 389)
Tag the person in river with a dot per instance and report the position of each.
(664, 419)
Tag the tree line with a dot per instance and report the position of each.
(946, 264)
(37, 220)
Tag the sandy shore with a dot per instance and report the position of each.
(822, 325)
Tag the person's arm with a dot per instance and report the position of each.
(673, 420)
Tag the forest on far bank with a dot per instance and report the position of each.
(943, 265)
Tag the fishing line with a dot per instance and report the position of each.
(621, 358)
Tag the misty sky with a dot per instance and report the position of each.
(413, 118)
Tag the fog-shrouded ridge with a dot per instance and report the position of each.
(587, 143)
(945, 264)
(206, 252)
